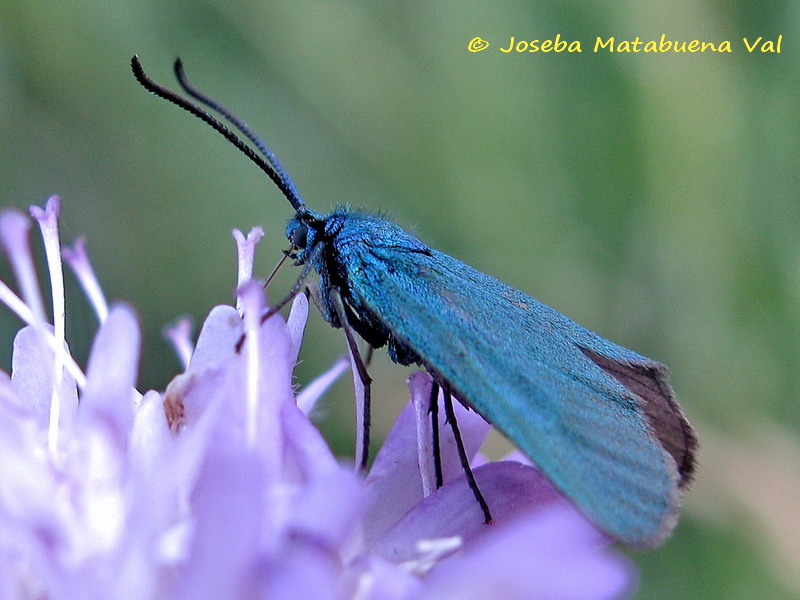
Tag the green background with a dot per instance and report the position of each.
(651, 197)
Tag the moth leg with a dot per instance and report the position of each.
(370, 352)
(296, 289)
(298, 285)
(437, 454)
(462, 455)
(362, 382)
(277, 267)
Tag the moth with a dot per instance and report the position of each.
(601, 421)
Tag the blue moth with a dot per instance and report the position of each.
(601, 421)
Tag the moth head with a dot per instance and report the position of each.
(303, 232)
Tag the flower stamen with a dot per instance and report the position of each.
(15, 235)
(245, 251)
(48, 224)
(250, 299)
(25, 313)
(180, 336)
(78, 261)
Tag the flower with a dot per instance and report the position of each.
(222, 487)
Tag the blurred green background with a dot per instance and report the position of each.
(651, 197)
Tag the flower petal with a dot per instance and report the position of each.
(228, 514)
(326, 498)
(245, 251)
(297, 323)
(32, 377)
(394, 480)
(310, 394)
(179, 334)
(15, 237)
(304, 568)
(379, 579)
(112, 370)
(452, 510)
(552, 553)
(78, 261)
(220, 332)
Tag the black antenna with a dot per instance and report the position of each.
(270, 166)
(243, 127)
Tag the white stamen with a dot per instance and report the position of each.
(14, 231)
(245, 251)
(432, 551)
(23, 311)
(248, 297)
(421, 396)
(180, 336)
(78, 261)
(360, 394)
(17, 306)
(48, 223)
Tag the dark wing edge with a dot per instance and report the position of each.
(647, 380)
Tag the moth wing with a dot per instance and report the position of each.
(565, 396)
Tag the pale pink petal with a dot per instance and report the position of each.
(221, 331)
(228, 523)
(373, 578)
(508, 488)
(304, 568)
(310, 394)
(78, 261)
(245, 251)
(15, 236)
(552, 554)
(421, 400)
(112, 371)
(361, 400)
(32, 376)
(180, 336)
(394, 481)
(297, 323)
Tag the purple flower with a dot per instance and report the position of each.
(221, 486)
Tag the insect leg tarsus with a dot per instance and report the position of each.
(362, 441)
(368, 357)
(308, 266)
(277, 267)
(462, 455)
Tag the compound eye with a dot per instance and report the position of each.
(300, 236)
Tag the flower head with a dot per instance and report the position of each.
(221, 486)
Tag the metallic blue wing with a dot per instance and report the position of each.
(597, 418)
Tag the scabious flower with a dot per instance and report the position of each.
(221, 486)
